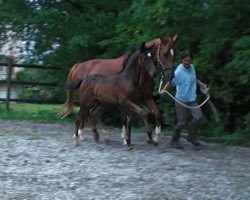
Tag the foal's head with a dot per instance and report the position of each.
(145, 60)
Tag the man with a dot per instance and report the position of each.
(186, 84)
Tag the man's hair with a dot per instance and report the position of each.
(185, 54)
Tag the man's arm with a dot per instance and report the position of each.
(200, 83)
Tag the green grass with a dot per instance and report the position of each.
(32, 112)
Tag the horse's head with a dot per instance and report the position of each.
(164, 55)
(146, 60)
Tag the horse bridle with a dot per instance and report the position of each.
(159, 59)
(163, 67)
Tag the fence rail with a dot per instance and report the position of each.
(8, 82)
(29, 66)
(29, 83)
(33, 101)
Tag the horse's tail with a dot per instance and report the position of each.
(68, 105)
(74, 85)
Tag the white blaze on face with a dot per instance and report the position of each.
(172, 52)
(149, 54)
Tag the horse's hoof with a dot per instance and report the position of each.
(155, 143)
(124, 143)
(76, 144)
(149, 141)
(96, 138)
(129, 148)
(81, 138)
(152, 142)
(156, 139)
(107, 141)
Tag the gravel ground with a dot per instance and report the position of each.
(39, 161)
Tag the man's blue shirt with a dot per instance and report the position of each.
(185, 82)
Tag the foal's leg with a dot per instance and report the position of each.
(78, 123)
(154, 109)
(95, 114)
(80, 119)
(94, 129)
(135, 108)
(92, 115)
(125, 117)
(128, 129)
(80, 131)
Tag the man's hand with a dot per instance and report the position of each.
(204, 89)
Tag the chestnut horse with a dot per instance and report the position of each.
(121, 88)
(163, 54)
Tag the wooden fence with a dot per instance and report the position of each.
(9, 82)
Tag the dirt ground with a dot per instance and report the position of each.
(39, 161)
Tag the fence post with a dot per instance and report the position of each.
(9, 69)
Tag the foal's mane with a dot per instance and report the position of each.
(129, 57)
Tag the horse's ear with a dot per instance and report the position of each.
(164, 39)
(143, 46)
(152, 46)
(175, 38)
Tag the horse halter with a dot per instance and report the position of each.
(159, 59)
(163, 67)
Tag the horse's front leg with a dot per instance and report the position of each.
(135, 108)
(126, 120)
(158, 119)
(128, 129)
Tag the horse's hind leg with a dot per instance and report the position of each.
(80, 119)
(77, 124)
(95, 114)
(94, 129)
(80, 131)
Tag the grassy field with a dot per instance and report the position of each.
(48, 113)
(33, 112)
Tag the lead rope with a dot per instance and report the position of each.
(204, 90)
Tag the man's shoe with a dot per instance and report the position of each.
(194, 142)
(176, 145)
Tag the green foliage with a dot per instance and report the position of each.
(241, 135)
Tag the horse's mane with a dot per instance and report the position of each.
(127, 58)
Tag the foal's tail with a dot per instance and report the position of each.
(68, 105)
